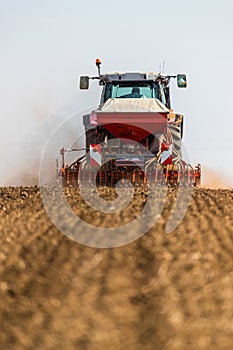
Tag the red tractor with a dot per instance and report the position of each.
(134, 134)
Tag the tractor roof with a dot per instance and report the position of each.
(130, 76)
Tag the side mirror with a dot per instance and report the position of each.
(84, 83)
(181, 81)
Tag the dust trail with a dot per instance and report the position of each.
(22, 160)
(27, 172)
(215, 179)
(32, 106)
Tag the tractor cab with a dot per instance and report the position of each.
(134, 85)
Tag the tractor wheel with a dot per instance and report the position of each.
(90, 138)
(176, 133)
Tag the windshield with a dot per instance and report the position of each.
(131, 90)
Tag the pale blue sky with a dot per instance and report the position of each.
(45, 45)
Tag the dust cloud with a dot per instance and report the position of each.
(27, 171)
(214, 179)
(27, 130)
(30, 113)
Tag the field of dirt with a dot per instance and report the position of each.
(163, 291)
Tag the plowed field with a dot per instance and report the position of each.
(163, 291)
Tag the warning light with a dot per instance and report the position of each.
(98, 62)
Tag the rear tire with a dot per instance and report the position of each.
(90, 138)
(177, 133)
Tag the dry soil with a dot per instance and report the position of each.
(163, 291)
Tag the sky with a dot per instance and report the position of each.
(46, 45)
